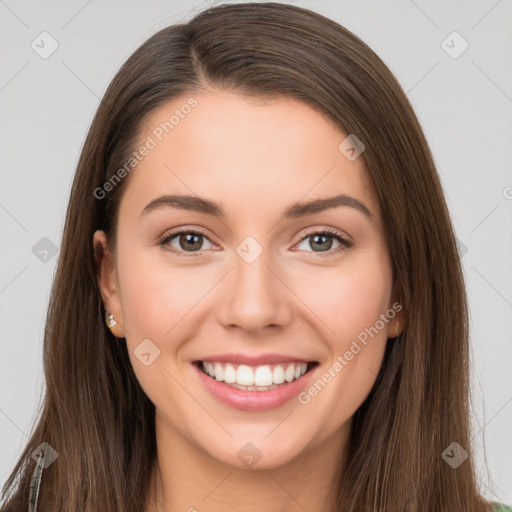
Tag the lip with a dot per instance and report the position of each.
(254, 360)
(254, 400)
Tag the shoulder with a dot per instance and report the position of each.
(501, 508)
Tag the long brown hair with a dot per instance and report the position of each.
(95, 414)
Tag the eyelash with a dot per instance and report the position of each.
(344, 243)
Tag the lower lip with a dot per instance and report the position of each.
(254, 400)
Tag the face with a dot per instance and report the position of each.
(260, 291)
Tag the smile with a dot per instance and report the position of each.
(254, 378)
(254, 388)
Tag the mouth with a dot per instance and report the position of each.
(262, 378)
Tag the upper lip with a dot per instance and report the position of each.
(254, 360)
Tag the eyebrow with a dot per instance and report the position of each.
(294, 211)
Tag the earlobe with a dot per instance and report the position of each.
(107, 283)
(397, 326)
(398, 320)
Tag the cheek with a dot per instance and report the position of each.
(349, 298)
(156, 299)
(155, 294)
(351, 301)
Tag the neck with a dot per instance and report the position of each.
(185, 478)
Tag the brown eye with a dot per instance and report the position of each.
(190, 241)
(186, 241)
(323, 241)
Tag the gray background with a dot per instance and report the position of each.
(463, 103)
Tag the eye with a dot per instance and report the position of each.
(323, 241)
(189, 242)
(185, 241)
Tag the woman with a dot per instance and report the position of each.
(257, 217)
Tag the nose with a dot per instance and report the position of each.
(255, 295)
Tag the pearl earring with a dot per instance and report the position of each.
(109, 320)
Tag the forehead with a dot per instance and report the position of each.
(251, 152)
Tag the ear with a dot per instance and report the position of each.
(107, 282)
(398, 322)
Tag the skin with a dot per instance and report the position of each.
(256, 158)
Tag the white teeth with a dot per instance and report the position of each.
(260, 378)
(263, 376)
(229, 374)
(278, 375)
(245, 375)
(289, 374)
(219, 372)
